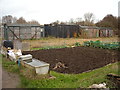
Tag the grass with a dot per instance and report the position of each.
(0, 59)
(43, 42)
(82, 80)
(48, 47)
(10, 66)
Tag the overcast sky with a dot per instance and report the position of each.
(47, 11)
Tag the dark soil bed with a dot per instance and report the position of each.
(77, 59)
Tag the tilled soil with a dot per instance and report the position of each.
(77, 59)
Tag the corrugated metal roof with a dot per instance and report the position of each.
(105, 28)
(94, 27)
(24, 25)
(60, 25)
(89, 27)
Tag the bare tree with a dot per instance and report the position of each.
(14, 19)
(78, 19)
(71, 21)
(34, 22)
(7, 19)
(56, 22)
(21, 20)
(63, 23)
(89, 18)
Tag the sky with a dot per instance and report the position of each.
(119, 8)
(47, 11)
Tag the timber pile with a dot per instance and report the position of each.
(115, 79)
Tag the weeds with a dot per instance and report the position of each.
(77, 44)
(52, 41)
(10, 65)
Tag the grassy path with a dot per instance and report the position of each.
(8, 79)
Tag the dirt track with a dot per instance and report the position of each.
(9, 80)
(75, 60)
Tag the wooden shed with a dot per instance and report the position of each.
(23, 31)
(105, 32)
(89, 31)
(62, 31)
(94, 32)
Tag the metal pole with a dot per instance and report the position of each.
(5, 32)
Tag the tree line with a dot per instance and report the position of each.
(13, 20)
(89, 18)
(108, 21)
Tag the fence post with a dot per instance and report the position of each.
(5, 32)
